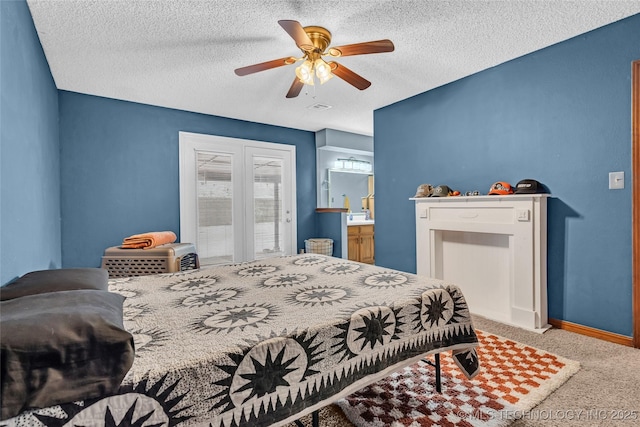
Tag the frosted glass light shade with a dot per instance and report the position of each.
(304, 72)
(323, 71)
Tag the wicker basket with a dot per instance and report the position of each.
(167, 258)
(319, 246)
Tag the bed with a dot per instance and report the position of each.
(265, 342)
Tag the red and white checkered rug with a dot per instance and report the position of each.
(513, 379)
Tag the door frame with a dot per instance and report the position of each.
(189, 143)
(635, 198)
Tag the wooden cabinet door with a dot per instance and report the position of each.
(353, 248)
(367, 244)
(360, 243)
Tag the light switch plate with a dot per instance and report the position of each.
(616, 180)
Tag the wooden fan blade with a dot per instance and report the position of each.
(349, 76)
(250, 69)
(378, 46)
(297, 33)
(295, 88)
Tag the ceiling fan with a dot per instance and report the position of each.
(314, 41)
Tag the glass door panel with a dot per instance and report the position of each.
(215, 207)
(268, 207)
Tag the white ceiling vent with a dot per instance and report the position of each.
(319, 107)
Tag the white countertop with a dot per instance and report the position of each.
(360, 222)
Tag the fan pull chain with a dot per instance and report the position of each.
(306, 92)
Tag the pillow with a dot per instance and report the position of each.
(61, 347)
(65, 279)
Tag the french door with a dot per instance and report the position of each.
(237, 198)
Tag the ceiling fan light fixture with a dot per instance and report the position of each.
(314, 43)
(323, 71)
(304, 72)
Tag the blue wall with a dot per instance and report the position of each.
(119, 163)
(330, 227)
(108, 168)
(561, 115)
(29, 156)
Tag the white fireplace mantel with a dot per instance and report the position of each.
(494, 248)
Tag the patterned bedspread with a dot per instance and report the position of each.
(264, 342)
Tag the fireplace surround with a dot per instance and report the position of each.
(494, 248)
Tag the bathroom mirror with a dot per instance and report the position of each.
(354, 185)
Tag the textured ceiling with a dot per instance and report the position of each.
(181, 54)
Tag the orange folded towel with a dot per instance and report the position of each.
(148, 240)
